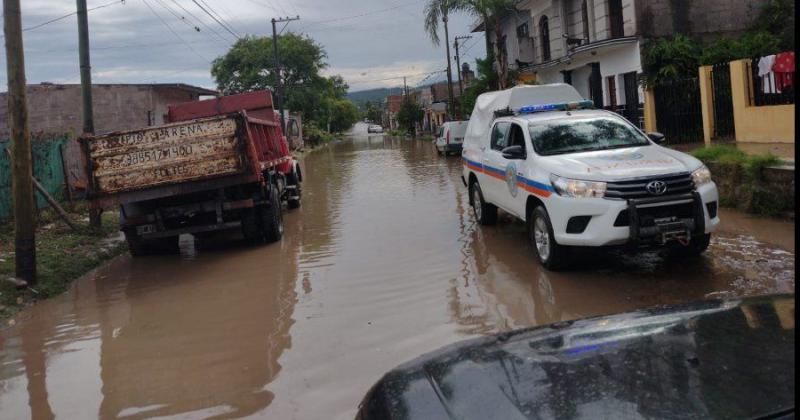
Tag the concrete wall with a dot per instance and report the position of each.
(57, 108)
(705, 19)
(760, 124)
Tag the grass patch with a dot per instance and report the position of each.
(728, 155)
(62, 255)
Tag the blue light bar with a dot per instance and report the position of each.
(565, 106)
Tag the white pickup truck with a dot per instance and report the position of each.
(582, 177)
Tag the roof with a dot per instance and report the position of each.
(182, 86)
(562, 115)
(515, 98)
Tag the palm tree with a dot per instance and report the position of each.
(492, 13)
(435, 11)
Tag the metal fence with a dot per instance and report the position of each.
(770, 89)
(678, 110)
(724, 127)
(48, 168)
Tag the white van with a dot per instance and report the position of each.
(582, 177)
(450, 137)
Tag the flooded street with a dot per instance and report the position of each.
(382, 263)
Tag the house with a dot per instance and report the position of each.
(56, 108)
(393, 103)
(595, 45)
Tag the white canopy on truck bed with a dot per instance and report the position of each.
(515, 98)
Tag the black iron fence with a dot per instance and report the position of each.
(722, 100)
(771, 88)
(678, 112)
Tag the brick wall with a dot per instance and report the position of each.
(57, 108)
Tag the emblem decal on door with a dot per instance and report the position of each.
(511, 179)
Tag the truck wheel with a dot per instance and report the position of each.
(697, 246)
(135, 244)
(485, 213)
(540, 233)
(272, 218)
(139, 247)
(250, 228)
(293, 180)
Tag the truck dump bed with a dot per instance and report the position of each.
(167, 154)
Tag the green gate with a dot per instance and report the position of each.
(48, 168)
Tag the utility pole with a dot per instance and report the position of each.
(86, 87)
(277, 69)
(22, 167)
(405, 87)
(449, 68)
(458, 67)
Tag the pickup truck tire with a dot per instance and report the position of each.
(272, 217)
(540, 233)
(485, 213)
(697, 246)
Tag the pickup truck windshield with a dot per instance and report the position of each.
(583, 135)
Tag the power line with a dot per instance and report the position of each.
(37, 26)
(395, 78)
(178, 16)
(202, 22)
(171, 30)
(216, 20)
(221, 20)
(341, 18)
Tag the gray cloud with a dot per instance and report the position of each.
(129, 44)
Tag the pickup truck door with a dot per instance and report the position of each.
(494, 166)
(511, 197)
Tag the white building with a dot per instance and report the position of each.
(590, 44)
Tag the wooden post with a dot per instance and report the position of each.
(22, 167)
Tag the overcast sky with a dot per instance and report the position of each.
(130, 44)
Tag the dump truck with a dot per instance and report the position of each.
(217, 164)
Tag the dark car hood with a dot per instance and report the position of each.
(715, 359)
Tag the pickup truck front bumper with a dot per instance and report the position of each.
(649, 221)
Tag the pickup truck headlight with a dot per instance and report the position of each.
(577, 188)
(701, 176)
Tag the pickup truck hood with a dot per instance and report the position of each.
(616, 164)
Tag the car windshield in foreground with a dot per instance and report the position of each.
(584, 135)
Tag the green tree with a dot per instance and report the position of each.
(485, 81)
(373, 112)
(667, 59)
(409, 115)
(492, 12)
(249, 65)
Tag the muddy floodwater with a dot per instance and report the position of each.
(383, 262)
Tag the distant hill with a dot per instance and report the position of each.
(371, 95)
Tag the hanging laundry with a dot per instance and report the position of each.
(765, 65)
(784, 70)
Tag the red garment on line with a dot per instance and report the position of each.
(784, 70)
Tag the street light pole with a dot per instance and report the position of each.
(22, 167)
(452, 104)
(277, 69)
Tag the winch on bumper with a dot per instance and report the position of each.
(648, 228)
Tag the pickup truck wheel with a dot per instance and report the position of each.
(272, 218)
(540, 233)
(250, 228)
(485, 213)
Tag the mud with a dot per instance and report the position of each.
(382, 263)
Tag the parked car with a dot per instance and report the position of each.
(450, 137)
(714, 359)
(582, 177)
(218, 164)
(374, 128)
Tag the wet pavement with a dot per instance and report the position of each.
(383, 262)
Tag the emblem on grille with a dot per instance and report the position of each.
(656, 187)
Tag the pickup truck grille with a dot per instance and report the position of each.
(636, 188)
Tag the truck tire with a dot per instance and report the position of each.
(485, 213)
(550, 254)
(250, 226)
(293, 180)
(272, 217)
(697, 246)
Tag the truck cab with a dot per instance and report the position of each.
(578, 176)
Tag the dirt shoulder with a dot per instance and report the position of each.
(62, 256)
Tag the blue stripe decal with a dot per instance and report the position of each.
(529, 182)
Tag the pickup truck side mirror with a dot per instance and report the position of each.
(656, 137)
(513, 152)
